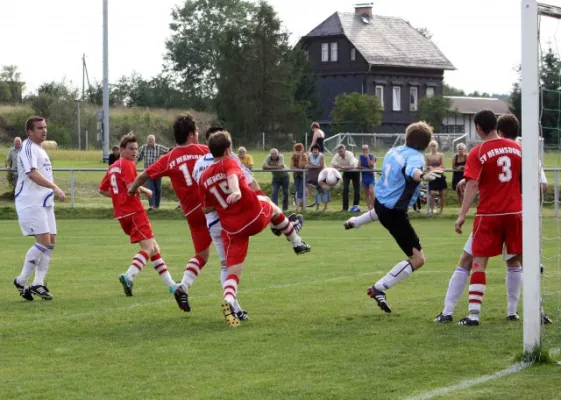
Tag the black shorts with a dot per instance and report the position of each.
(398, 224)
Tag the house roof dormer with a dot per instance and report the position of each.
(383, 41)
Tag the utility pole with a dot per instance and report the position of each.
(105, 153)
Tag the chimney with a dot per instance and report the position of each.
(364, 10)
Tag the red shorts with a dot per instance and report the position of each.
(137, 226)
(236, 245)
(199, 231)
(491, 231)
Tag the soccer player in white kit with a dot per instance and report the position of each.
(34, 197)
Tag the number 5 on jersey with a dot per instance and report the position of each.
(224, 189)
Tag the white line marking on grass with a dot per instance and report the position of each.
(472, 382)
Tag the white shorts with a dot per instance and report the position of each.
(37, 220)
(468, 249)
(215, 229)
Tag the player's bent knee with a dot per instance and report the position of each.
(205, 254)
(235, 270)
(44, 239)
(466, 260)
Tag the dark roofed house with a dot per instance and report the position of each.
(385, 56)
(466, 108)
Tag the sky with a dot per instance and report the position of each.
(46, 39)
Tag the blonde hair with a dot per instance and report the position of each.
(460, 146)
(434, 143)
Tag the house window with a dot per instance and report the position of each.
(380, 94)
(397, 98)
(307, 55)
(430, 91)
(334, 51)
(413, 98)
(324, 52)
(353, 54)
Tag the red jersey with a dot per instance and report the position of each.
(214, 190)
(497, 166)
(120, 174)
(178, 165)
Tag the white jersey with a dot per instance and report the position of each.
(201, 165)
(28, 193)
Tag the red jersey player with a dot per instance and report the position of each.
(178, 165)
(130, 213)
(242, 213)
(494, 168)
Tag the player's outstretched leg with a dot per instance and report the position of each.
(138, 262)
(357, 222)
(377, 291)
(280, 222)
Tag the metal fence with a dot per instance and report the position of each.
(74, 181)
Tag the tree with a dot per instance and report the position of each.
(356, 112)
(258, 75)
(452, 91)
(11, 78)
(425, 32)
(198, 30)
(433, 110)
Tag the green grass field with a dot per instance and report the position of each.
(313, 333)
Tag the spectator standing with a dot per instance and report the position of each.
(114, 156)
(435, 160)
(345, 160)
(318, 137)
(275, 161)
(368, 161)
(245, 158)
(316, 162)
(150, 152)
(299, 160)
(12, 162)
(458, 165)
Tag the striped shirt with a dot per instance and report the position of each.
(150, 154)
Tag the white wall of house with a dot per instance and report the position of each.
(462, 119)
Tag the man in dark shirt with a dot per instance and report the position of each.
(115, 155)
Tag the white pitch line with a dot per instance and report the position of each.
(471, 382)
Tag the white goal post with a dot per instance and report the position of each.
(530, 14)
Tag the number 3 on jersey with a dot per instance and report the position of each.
(505, 163)
(224, 189)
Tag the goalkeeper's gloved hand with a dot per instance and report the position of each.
(431, 175)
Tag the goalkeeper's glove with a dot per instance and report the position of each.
(431, 176)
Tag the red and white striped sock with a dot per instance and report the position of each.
(477, 286)
(138, 262)
(192, 270)
(282, 223)
(162, 270)
(230, 287)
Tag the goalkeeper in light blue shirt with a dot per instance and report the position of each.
(396, 189)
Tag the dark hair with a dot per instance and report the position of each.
(183, 127)
(211, 130)
(30, 123)
(315, 146)
(509, 126)
(418, 135)
(128, 138)
(218, 143)
(487, 121)
(315, 125)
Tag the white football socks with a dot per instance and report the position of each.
(399, 272)
(366, 218)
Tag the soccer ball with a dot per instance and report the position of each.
(329, 178)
